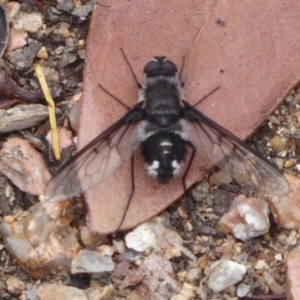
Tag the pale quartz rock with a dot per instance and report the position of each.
(15, 285)
(225, 273)
(41, 238)
(91, 262)
(141, 238)
(49, 291)
(17, 39)
(243, 290)
(28, 21)
(155, 235)
(272, 284)
(24, 166)
(248, 218)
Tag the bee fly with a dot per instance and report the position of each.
(164, 125)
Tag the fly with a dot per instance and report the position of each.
(164, 125)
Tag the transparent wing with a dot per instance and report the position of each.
(232, 155)
(99, 159)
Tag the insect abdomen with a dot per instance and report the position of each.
(164, 153)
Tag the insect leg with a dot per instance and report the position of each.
(114, 97)
(188, 167)
(135, 79)
(189, 201)
(211, 92)
(131, 194)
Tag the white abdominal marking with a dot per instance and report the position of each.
(176, 166)
(166, 143)
(152, 169)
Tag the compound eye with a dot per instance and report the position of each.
(160, 66)
(169, 67)
(151, 67)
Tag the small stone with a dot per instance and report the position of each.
(121, 269)
(97, 292)
(243, 290)
(120, 246)
(87, 261)
(278, 143)
(131, 256)
(187, 293)
(24, 166)
(42, 53)
(272, 284)
(15, 285)
(261, 265)
(273, 120)
(279, 163)
(183, 213)
(41, 238)
(155, 235)
(106, 250)
(49, 291)
(225, 273)
(248, 218)
(28, 21)
(288, 164)
(17, 39)
(178, 297)
(59, 50)
(283, 153)
(63, 29)
(141, 238)
(81, 53)
(194, 274)
(89, 239)
(287, 239)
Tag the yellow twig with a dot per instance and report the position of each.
(51, 107)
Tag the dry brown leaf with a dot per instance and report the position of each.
(250, 50)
